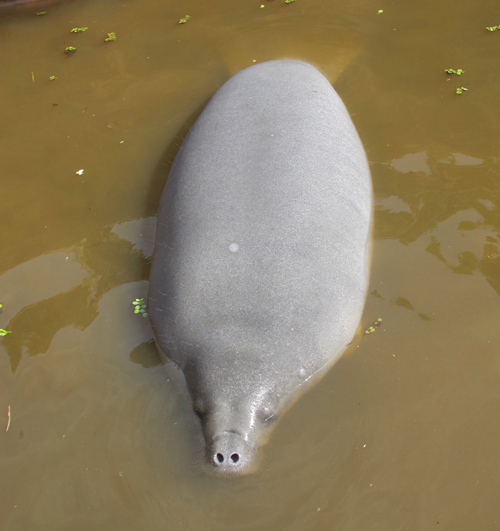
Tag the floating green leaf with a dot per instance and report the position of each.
(41, 13)
(140, 307)
(290, 1)
(493, 28)
(461, 89)
(78, 30)
(380, 11)
(52, 78)
(185, 19)
(32, 77)
(373, 328)
(459, 72)
(70, 50)
(5, 332)
(111, 37)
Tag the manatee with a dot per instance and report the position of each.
(262, 252)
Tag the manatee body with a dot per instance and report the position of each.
(262, 252)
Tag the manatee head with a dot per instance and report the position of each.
(235, 421)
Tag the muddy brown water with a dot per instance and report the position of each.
(403, 432)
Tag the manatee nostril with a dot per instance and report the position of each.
(229, 453)
(233, 458)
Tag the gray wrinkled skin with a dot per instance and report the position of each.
(262, 252)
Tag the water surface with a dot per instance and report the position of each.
(403, 432)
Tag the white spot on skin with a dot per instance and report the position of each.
(234, 247)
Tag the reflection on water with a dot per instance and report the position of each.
(412, 162)
(140, 232)
(403, 432)
(458, 215)
(106, 261)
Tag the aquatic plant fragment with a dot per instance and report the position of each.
(111, 37)
(372, 329)
(140, 307)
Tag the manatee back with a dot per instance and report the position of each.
(262, 249)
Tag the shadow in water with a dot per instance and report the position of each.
(146, 354)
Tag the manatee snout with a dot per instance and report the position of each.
(228, 453)
(234, 429)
